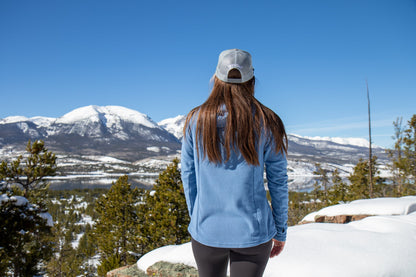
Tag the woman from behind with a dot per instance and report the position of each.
(228, 140)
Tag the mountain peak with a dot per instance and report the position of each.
(109, 114)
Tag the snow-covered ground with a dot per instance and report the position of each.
(378, 206)
(374, 246)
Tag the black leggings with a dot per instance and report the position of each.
(244, 262)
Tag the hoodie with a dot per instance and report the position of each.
(227, 202)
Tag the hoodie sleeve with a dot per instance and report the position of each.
(188, 171)
(276, 173)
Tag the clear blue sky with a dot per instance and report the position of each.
(311, 58)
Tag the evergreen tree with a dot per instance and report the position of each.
(65, 262)
(403, 157)
(339, 191)
(321, 186)
(300, 205)
(115, 230)
(29, 172)
(26, 237)
(397, 160)
(165, 212)
(409, 153)
(359, 179)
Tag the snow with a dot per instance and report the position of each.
(153, 149)
(111, 114)
(361, 142)
(174, 125)
(86, 219)
(42, 121)
(374, 246)
(378, 206)
(38, 120)
(75, 242)
(48, 218)
(82, 205)
(94, 261)
(13, 119)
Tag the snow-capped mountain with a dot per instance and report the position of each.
(174, 125)
(109, 130)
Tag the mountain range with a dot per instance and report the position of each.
(95, 144)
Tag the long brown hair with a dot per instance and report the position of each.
(245, 122)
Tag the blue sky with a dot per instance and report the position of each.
(311, 58)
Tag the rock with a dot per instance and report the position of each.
(166, 269)
(340, 219)
(126, 271)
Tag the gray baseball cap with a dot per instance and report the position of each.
(234, 59)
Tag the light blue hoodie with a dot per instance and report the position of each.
(227, 202)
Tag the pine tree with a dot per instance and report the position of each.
(359, 179)
(321, 187)
(26, 237)
(165, 212)
(397, 160)
(403, 157)
(409, 153)
(29, 172)
(339, 190)
(115, 230)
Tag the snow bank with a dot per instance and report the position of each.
(374, 246)
(377, 206)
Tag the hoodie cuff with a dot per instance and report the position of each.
(281, 236)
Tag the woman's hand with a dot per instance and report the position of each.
(277, 248)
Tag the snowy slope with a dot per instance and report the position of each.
(174, 125)
(375, 246)
(110, 115)
(361, 142)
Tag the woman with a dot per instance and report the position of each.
(227, 142)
